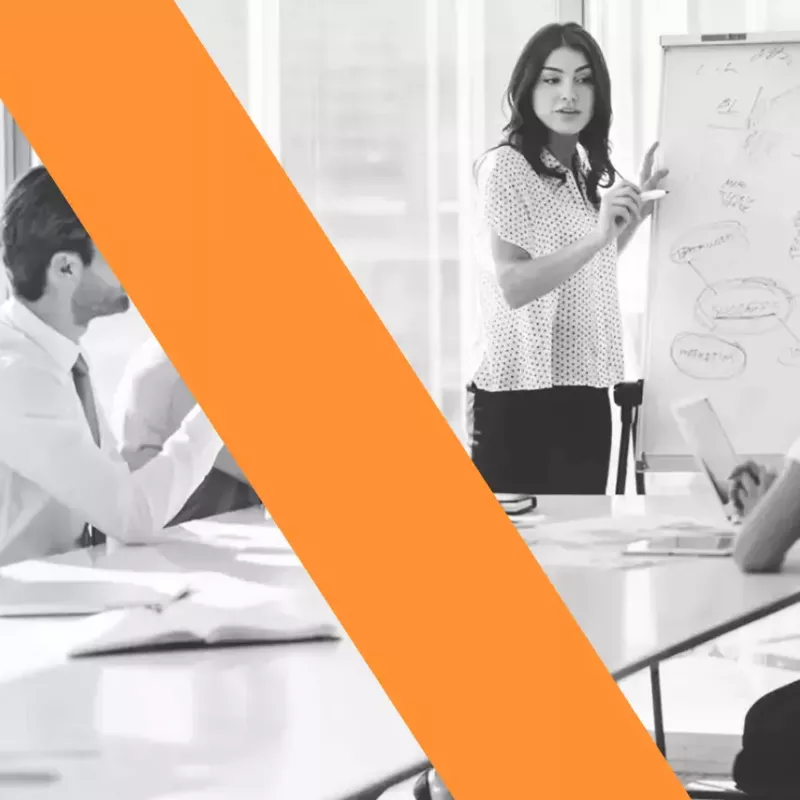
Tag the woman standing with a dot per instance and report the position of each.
(551, 326)
(551, 333)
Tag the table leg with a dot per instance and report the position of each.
(658, 717)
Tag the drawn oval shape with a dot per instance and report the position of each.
(744, 306)
(719, 242)
(790, 357)
(706, 357)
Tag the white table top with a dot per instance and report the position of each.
(304, 721)
(307, 721)
(636, 615)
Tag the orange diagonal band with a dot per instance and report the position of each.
(318, 406)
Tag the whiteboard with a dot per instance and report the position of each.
(723, 317)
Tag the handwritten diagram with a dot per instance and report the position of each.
(775, 52)
(742, 102)
(731, 307)
(744, 306)
(765, 122)
(745, 118)
(735, 194)
(707, 357)
(715, 245)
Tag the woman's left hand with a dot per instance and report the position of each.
(649, 180)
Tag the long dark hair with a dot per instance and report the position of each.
(526, 133)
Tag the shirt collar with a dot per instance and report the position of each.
(549, 160)
(63, 351)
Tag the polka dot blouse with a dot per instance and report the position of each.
(572, 336)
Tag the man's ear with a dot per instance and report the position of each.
(64, 269)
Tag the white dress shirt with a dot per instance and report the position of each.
(150, 403)
(53, 477)
(149, 406)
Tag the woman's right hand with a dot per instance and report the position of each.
(620, 207)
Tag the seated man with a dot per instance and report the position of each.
(769, 761)
(62, 479)
(151, 402)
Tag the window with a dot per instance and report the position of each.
(377, 111)
(15, 152)
(111, 341)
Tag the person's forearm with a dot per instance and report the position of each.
(526, 279)
(170, 477)
(98, 486)
(773, 526)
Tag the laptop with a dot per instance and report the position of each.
(717, 459)
(711, 448)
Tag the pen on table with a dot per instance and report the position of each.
(182, 595)
(653, 194)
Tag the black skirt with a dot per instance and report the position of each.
(543, 441)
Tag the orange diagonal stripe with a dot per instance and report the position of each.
(318, 405)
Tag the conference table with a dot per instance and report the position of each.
(309, 721)
(304, 721)
(638, 611)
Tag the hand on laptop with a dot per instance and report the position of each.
(749, 482)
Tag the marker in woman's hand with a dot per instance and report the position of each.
(653, 194)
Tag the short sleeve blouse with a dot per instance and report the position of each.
(571, 336)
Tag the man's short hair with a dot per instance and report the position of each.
(38, 222)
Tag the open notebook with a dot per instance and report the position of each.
(185, 623)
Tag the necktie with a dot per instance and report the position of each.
(83, 385)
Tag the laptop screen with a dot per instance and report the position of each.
(710, 446)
